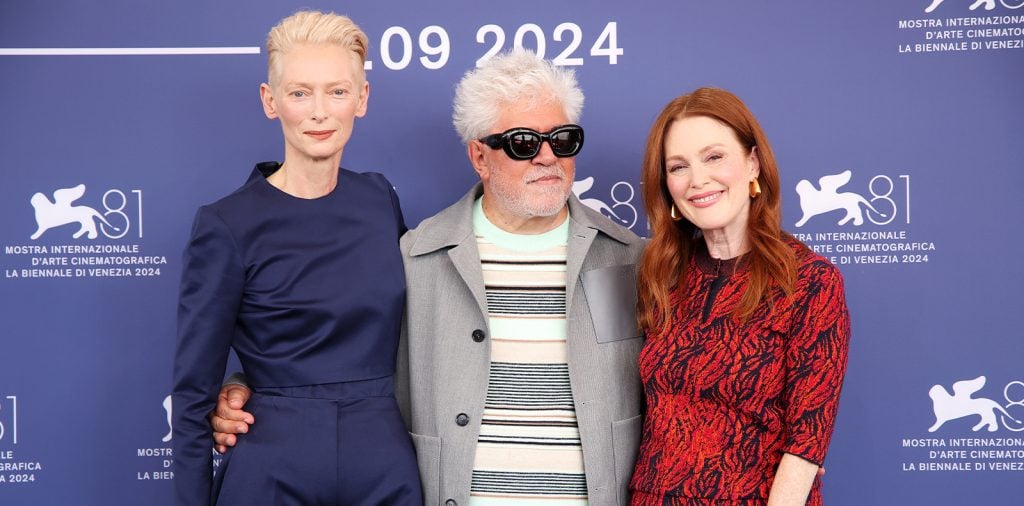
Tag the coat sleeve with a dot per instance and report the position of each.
(816, 358)
(211, 290)
(402, 373)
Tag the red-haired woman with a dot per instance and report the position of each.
(747, 329)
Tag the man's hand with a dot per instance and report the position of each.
(229, 419)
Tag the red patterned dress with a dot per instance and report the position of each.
(726, 400)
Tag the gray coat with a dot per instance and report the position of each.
(443, 367)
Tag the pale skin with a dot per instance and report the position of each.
(793, 481)
(316, 93)
(708, 175)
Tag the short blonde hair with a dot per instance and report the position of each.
(313, 27)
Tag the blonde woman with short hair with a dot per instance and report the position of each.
(300, 273)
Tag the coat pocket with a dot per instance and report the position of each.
(428, 457)
(625, 446)
(611, 296)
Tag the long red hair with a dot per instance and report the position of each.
(667, 257)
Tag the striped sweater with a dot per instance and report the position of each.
(529, 448)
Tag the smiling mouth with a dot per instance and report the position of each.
(706, 199)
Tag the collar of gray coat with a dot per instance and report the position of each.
(453, 225)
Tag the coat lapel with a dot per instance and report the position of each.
(452, 229)
(466, 259)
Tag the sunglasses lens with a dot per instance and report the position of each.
(565, 142)
(524, 145)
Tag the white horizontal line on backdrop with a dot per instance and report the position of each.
(123, 51)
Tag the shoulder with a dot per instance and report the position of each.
(610, 235)
(252, 193)
(374, 180)
(813, 270)
(234, 208)
(444, 229)
(450, 227)
(624, 244)
(241, 196)
(615, 250)
(373, 184)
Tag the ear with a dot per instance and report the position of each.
(364, 98)
(754, 162)
(267, 98)
(475, 150)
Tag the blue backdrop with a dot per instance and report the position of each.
(916, 114)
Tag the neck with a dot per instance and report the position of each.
(308, 180)
(723, 247)
(526, 225)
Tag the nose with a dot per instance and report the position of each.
(699, 176)
(319, 111)
(545, 156)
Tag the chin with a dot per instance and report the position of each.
(322, 154)
(548, 208)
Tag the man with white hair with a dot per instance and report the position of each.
(517, 370)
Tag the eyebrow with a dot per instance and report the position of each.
(703, 150)
(330, 84)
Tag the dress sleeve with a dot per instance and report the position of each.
(211, 290)
(402, 229)
(816, 355)
(396, 207)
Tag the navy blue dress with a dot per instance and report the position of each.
(310, 294)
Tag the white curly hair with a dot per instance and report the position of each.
(514, 77)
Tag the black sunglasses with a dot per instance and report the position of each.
(524, 143)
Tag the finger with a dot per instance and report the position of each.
(228, 426)
(234, 415)
(237, 396)
(225, 411)
(219, 425)
(224, 440)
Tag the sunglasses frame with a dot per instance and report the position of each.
(503, 141)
